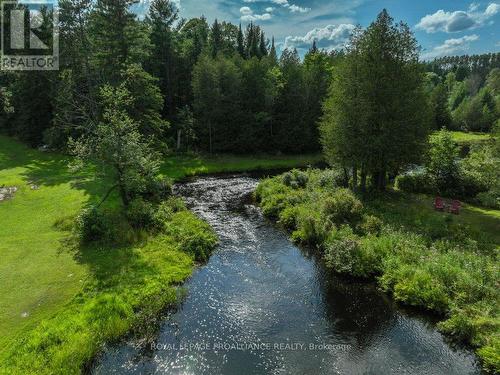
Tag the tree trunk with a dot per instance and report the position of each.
(354, 177)
(379, 180)
(363, 179)
(179, 135)
(383, 180)
(346, 177)
(210, 136)
(121, 187)
(123, 195)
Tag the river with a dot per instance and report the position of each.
(264, 306)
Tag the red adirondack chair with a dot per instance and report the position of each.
(439, 204)
(455, 207)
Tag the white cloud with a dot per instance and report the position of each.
(269, 9)
(450, 47)
(297, 9)
(245, 10)
(492, 9)
(256, 17)
(283, 3)
(329, 37)
(248, 15)
(458, 20)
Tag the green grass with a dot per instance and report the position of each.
(178, 167)
(37, 276)
(58, 301)
(463, 138)
(416, 212)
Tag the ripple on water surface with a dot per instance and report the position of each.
(263, 306)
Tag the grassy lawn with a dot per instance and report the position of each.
(49, 287)
(463, 138)
(178, 167)
(37, 275)
(416, 212)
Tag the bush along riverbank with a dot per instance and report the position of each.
(133, 277)
(453, 272)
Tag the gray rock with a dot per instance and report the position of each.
(7, 192)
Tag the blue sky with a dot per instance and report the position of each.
(442, 27)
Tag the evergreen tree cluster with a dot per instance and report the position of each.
(465, 65)
(194, 86)
(376, 119)
(465, 92)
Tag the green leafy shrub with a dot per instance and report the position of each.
(489, 354)
(426, 260)
(342, 207)
(331, 178)
(93, 224)
(417, 287)
(489, 199)
(166, 210)
(416, 182)
(371, 225)
(447, 175)
(193, 236)
(274, 197)
(342, 252)
(295, 179)
(141, 214)
(312, 228)
(456, 186)
(469, 323)
(158, 189)
(288, 217)
(374, 250)
(175, 203)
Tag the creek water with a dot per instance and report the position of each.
(263, 306)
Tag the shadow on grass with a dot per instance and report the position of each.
(48, 169)
(110, 266)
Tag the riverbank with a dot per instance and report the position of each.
(423, 258)
(59, 302)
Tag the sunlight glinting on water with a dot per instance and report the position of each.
(263, 306)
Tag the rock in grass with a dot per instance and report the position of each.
(7, 192)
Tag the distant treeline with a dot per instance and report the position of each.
(464, 91)
(465, 65)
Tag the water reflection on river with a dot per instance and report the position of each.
(263, 306)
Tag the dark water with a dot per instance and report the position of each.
(263, 306)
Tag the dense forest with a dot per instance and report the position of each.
(463, 91)
(218, 88)
(213, 88)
